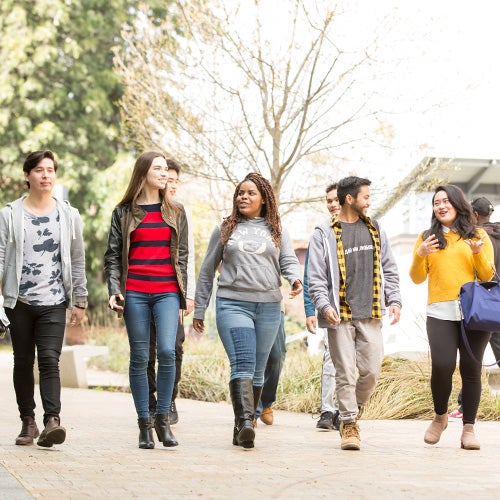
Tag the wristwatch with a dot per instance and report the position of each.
(80, 305)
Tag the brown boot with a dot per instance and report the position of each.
(29, 431)
(434, 431)
(469, 440)
(349, 434)
(52, 434)
(267, 416)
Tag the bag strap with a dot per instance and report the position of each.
(469, 350)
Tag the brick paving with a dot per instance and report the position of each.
(100, 458)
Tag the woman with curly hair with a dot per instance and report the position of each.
(452, 252)
(253, 252)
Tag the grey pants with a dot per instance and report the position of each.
(328, 397)
(357, 349)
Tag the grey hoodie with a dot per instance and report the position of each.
(323, 272)
(72, 252)
(251, 266)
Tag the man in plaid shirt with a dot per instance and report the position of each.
(352, 277)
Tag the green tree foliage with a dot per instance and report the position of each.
(58, 91)
(57, 87)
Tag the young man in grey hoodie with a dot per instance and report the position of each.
(42, 271)
(352, 276)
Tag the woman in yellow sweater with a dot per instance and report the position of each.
(452, 252)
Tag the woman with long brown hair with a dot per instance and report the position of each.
(253, 252)
(146, 269)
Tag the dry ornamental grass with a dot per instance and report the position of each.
(403, 389)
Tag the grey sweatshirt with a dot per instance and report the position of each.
(72, 252)
(251, 266)
(323, 272)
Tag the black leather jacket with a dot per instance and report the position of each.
(123, 222)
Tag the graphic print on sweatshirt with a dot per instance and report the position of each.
(251, 259)
(41, 276)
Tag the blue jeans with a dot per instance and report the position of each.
(138, 309)
(274, 366)
(247, 331)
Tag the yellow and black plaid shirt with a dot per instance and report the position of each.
(345, 309)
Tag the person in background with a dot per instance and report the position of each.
(254, 252)
(330, 416)
(146, 269)
(483, 208)
(453, 251)
(42, 269)
(272, 374)
(352, 276)
(173, 416)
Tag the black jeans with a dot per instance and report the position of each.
(445, 337)
(41, 327)
(179, 351)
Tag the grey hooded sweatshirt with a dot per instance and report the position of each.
(12, 247)
(324, 275)
(251, 266)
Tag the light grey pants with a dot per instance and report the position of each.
(356, 344)
(328, 397)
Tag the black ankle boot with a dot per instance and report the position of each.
(145, 433)
(243, 407)
(163, 431)
(52, 434)
(29, 431)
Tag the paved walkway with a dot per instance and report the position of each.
(100, 458)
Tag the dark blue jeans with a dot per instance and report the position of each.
(43, 327)
(137, 314)
(274, 366)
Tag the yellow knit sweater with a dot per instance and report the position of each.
(450, 268)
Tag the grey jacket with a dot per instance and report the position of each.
(12, 249)
(324, 275)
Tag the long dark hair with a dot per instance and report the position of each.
(138, 179)
(464, 224)
(269, 210)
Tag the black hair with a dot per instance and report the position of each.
(330, 187)
(464, 222)
(173, 165)
(34, 158)
(350, 185)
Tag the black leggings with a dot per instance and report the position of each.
(43, 327)
(445, 337)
